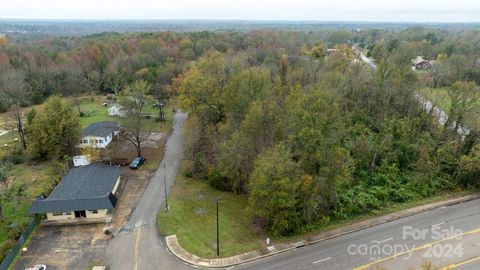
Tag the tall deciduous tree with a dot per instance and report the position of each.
(14, 93)
(201, 88)
(134, 100)
(53, 132)
(464, 100)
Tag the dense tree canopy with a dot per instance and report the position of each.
(341, 138)
(273, 113)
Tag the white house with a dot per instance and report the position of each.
(99, 135)
(116, 110)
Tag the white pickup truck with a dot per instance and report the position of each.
(37, 267)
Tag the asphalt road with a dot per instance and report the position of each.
(360, 248)
(138, 245)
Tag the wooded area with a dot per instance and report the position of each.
(311, 134)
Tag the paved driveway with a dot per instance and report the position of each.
(64, 247)
(138, 244)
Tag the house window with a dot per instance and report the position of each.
(96, 141)
(60, 214)
(94, 211)
(100, 141)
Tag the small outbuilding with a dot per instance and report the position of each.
(85, 194)
(116, 110)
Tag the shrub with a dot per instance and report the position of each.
(5, 248)
(37, 97)
(216, 180)
(3, 107)
(15, 232)
(16, 156)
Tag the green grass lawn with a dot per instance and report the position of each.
(438, 96)
(9, 139)
(96, 112)
(37, 179)
(192, 217)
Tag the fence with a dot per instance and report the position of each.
(7, 262)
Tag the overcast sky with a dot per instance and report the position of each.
(315, 10)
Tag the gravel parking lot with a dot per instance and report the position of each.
(64, 247)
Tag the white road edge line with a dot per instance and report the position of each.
(319, 261)
(441, 223)
(385, 240)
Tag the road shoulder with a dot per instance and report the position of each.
(177, 250)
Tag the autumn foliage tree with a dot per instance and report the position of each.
(53, 132)
(274, 186)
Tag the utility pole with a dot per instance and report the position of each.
(218, 230)
(165, 186)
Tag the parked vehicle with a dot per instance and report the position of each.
(37, 267)
(137, 162)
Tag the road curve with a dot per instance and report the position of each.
(139, 246)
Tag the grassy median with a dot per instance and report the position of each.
(192, 217)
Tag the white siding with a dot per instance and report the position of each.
(95, 142)
(115, 188)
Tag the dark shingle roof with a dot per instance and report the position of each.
(82, 188)
(100, 129)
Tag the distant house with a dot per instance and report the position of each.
(116, 110)
(332, 52)
(86, 193)
(421, 63)
(99, 135)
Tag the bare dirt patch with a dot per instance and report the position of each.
(152, 149)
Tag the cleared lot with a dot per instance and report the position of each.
(64, 247)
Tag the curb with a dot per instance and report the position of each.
(176, 249)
